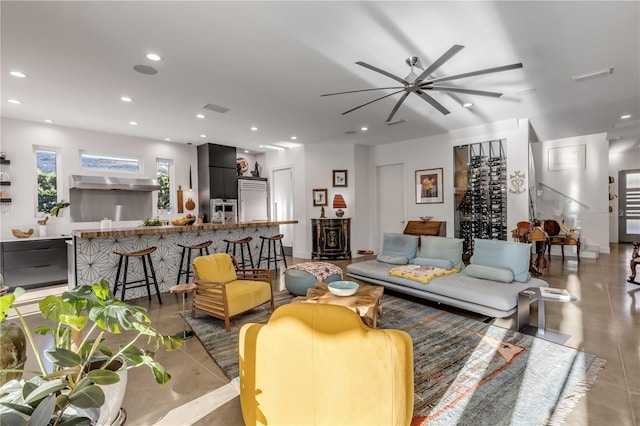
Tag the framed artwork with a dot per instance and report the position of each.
(567, 158)
(339, 178)
(319, 197)
(429, 186)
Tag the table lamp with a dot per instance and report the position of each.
(338, 203)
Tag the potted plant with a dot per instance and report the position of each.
(73, 392)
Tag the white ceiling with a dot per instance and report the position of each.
(269, 62)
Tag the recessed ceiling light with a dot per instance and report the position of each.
(246, 151)
(48, 121)
(624, 117)
(254, 129)
(153, 57)
(467, 105)
(200, 116)
(294, 138)
(18, 74)
(203, 135)
(364, 129)
(167, 139)
(125, 99)
(14, 101)
(133, 123)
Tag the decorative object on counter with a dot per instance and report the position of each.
(319, 197)
(152, 222)
(339, 203)
(180, 200)
(86, 371)
(200, 220)
(242, 165)
(20, 234)
(339, 178)
(256, 170)
(42, 227)
(190, 204)
(322, 216)
(4, 177)
(105, 223)
(57, 208)
(426, 218)
(429, 186)
(3, 155)
(184, 221)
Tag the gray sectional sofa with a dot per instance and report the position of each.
(489, 286)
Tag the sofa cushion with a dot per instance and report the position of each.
(443, 248)
(429, 261)
(394, 260)
(489, 273)
(504, 255)
(397, 245)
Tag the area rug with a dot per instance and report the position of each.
(466, 371)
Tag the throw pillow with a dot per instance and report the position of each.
(397, 260)
(397, 245)
(504, 255)
(443, 248)
(429, 261)
(489, 273)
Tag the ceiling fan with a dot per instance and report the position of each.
(420, 84)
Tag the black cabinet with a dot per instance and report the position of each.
(217, 175)
(34, 263)
(331, 238)
(212, 155)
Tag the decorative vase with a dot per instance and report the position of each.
(42, 230)
(339, 213)
(13, 353)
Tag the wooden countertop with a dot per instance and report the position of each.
(139, 230)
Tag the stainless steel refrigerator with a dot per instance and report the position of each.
(253, 199)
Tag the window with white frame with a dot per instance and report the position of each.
(164, 175)
(46, 179)
(93, 161)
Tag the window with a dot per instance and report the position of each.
(163, 168)
(110, 162)
(46, 179)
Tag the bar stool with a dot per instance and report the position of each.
(202, 246)
(271, 241)
(145, 256)
(243, 243)
(184, 289)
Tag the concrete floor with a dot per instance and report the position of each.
(605, 321)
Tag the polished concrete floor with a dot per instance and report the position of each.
(605, 321)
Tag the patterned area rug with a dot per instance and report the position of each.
(466, 372)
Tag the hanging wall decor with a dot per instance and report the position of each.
(429, 186)
(517, 182)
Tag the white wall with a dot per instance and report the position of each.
(589, 186)
(436, 152)
(618, 162)
(18, 141)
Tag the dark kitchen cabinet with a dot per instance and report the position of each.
(34, 263)
(217, 175)
(212, 155)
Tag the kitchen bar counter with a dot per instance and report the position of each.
(94, 257)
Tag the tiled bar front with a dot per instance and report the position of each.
(95, 258)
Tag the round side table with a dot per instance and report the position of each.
(184, 289)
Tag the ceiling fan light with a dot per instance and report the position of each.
(625, 117)
(467, 105)
(593, 74)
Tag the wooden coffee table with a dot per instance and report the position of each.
(366, 301)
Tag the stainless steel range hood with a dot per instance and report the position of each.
(102, 182)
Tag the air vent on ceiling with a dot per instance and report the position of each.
(393, 123)
(593, 74)
(350, 132)
(216, 108)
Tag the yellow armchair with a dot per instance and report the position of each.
(318, 364)
(224, 290)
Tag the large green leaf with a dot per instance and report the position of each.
(42, 329)
(43, 412)
(76, 421)
(63, 357)
(48, 388)
(5, 303)
(52, 307)
(103, 377)
(88, 397)
(12, 419)
(25, 409)
(74, 321)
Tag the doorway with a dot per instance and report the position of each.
(629, 206)
(391, 200)
(283, 205)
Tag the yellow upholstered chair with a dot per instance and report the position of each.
(225, 291)
(318, 364)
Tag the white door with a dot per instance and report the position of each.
(283, 202)
(391, 214)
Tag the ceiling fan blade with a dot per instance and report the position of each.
(395, 77)
(395, 108)
(473, 73)
(432, 101)
(439, 62)
(363, 90)
(370, 102)
(460, 90)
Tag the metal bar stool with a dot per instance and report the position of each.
(243, 242)
(145, 256)
(202, 246)
(271, 241)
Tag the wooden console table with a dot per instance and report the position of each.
(419, 228)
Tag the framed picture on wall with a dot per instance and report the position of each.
(339, 178)
(429, 186)
(567, 158)
(319, 197)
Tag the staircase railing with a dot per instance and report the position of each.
(553, 204)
